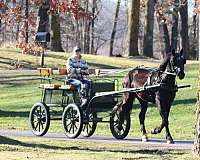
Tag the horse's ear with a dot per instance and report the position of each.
(173, 52)
(181, 52)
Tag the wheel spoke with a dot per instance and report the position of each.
(35, 114)
(36, 125)
(84, 127)
(87, 129)
(123, 129)
(40, 110)
(89, 125)
(73, 128)
(70, 128)
(69, 123)
(116, 124)
(43, 119)
(42, 125)
(34, 121)
(39, 126)
(43, 113)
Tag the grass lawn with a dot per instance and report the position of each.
(17, 98)
(58, 59)
(50, 149)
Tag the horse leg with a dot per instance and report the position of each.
(164, 109)
(126, 104)
(165, 123)
(123, 108)
(142, 113)
(168, 135)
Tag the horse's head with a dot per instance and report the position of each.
(177, 62)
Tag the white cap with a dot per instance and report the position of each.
(77, 49)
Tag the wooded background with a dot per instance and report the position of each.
(149, 28)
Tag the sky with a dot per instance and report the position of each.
(191, 7)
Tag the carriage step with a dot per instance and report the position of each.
(98, 119)
(59, 118)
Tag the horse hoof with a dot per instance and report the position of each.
(145, 138)
(154, 131)
(170, 142)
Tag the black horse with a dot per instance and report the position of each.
(172, 66)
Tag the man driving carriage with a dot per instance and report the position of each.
(77, 69)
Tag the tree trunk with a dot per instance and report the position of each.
(43, 16)
(133, 27)
(196, 146)
(26, 22)
(175, 17)
(165, 42)
(184, 28)
(43, 25)
(86, 30)
(92, 28)
(112, 38)
(194, 38)
(56, 44)
(148, 28)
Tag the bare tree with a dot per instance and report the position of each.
(184, 26)
(133, 26)
(43, 17)
(175, 18)
(148, 28)
(26, 22)
(112, 38)
(56, 44)
(163, 29)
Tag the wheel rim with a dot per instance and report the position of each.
(120, 125)
(39, 119)
(90, 125)
(72, 121)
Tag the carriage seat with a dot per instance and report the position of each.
(46, 79)
(66, 86)
(63, 71)
(46, 76)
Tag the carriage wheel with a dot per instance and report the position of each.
(90, 124)
(120, 124)
(39, 119)
(72, 121)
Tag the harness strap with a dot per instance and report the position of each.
(170, 73)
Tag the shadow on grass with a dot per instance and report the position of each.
(9, 141)
(11, 62)
(13, 114)
(102, 66)
(184, 101)
(136, 105)
(89, 63)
